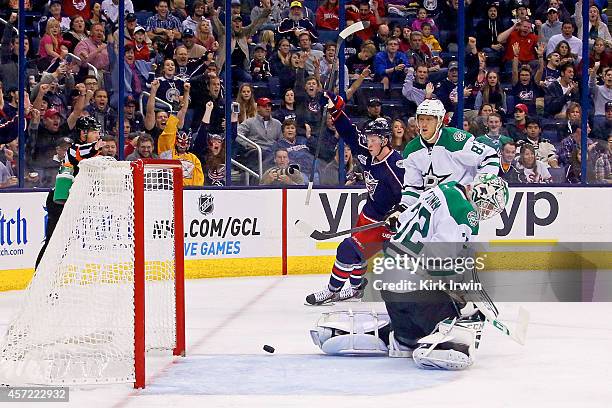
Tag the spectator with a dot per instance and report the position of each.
(197, 16)
(142, 52)
(530, 169)
(602, 94)
(399, 135)
(430, 41)
(603, 130)
(287, 108)
(422, 18)
(601, 52)
(372, 15)
(194, 51)
(240, 55)
(131, 22)
(352, 170)
(544, 150)
(597, 28)
(487, 32)
(507, 168)
(572, 142)
(603, 164)
(178, 10)
(55, 13)
(363, 59)
(374, 112)
(275, 16)
(525, 88)
(288, 73)
(327, 15)
(560, 93)
(50, 46)
(493, 137)
(281, 57)
(476, 75)
(574, 169)
(292, 26)
(282, 173)
(551, 71)
(268, 41)
(492, 93)
(381, 37)
(144, 148)
(9, 54)
(300, 148)
(246, 100)
(389, 65)
(93, 50)
(573, 116)
(77, 32)
(73, 8)
(110, 148)
(130, 113)
(405, 39)
(551, 27)
(446, 90)
(520, 34)
(543, 10)
(170, 85)
(517, 129)
(313, 56)
(307, 97)
(262, 129)
(326, 64)
(565, 54)
(163, 25)
(400, 8)
(352, 43)
(567, 31)
(101, 111)
(96, 17)
(417, 87)
(205, 37)
(110, 8)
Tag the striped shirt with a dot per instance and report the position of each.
(78, 152)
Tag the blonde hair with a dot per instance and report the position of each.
(50, 24)
(267, 37)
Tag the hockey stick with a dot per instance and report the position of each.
(331, 80)
(317, 235)
(518, 334)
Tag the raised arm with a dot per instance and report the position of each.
(149, 122)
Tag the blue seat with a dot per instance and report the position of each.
(142, 16)
(261, 90)
(327, 36)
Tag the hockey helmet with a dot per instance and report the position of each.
(378, 127)
(489, 194)
(87, 123)
(432, 107)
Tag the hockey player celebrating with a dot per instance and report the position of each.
(442, 154)
(383, 181)
(437, 328)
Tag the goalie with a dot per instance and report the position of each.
(437, 328)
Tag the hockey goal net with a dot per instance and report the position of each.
(110, 286)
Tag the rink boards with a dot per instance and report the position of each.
(251, 232)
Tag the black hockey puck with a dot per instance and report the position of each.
(269, 349)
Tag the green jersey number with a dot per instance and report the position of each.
(419, 222)
(477, 149)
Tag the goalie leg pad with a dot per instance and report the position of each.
(452, 345)
(351, 333)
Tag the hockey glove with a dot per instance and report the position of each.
(392, 217)
(334, 103)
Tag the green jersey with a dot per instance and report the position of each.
(495, 142)
(456, 156)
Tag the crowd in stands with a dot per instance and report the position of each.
(522, 94)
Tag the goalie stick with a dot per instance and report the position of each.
(331, 80)
(315, 234)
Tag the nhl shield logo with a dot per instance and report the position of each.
(206, 204)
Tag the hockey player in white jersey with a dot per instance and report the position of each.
(440, 154)
(437, 328)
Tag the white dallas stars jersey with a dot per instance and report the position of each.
(456, 156)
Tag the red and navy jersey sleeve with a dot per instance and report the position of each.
(349, 133)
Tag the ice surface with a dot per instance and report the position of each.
(565, 363)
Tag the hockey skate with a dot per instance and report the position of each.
(327, 297)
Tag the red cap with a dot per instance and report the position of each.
(49, 113)
(522, 107)
(264, 102)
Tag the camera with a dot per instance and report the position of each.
(235, 107)
(291, 170)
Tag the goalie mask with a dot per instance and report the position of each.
(489, 194)
(431, 107)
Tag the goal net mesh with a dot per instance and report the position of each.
(76, 322)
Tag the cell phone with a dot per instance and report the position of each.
(235, 107)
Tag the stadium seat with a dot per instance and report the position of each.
(327, 36)
(261, 90)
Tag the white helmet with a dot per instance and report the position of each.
(432, 107)
(489, 194)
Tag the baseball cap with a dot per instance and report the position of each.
(188, 32)
(237, 17)
(296, 4)
(63, 141)
(522, 107)
(453, 65)
(130, 17)
(49, 113)
(139, 28)
(259, 46)
(552, 9)
(264, 102)
(374, 102)
(235, 2)
(608, 106)
(55, 2)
